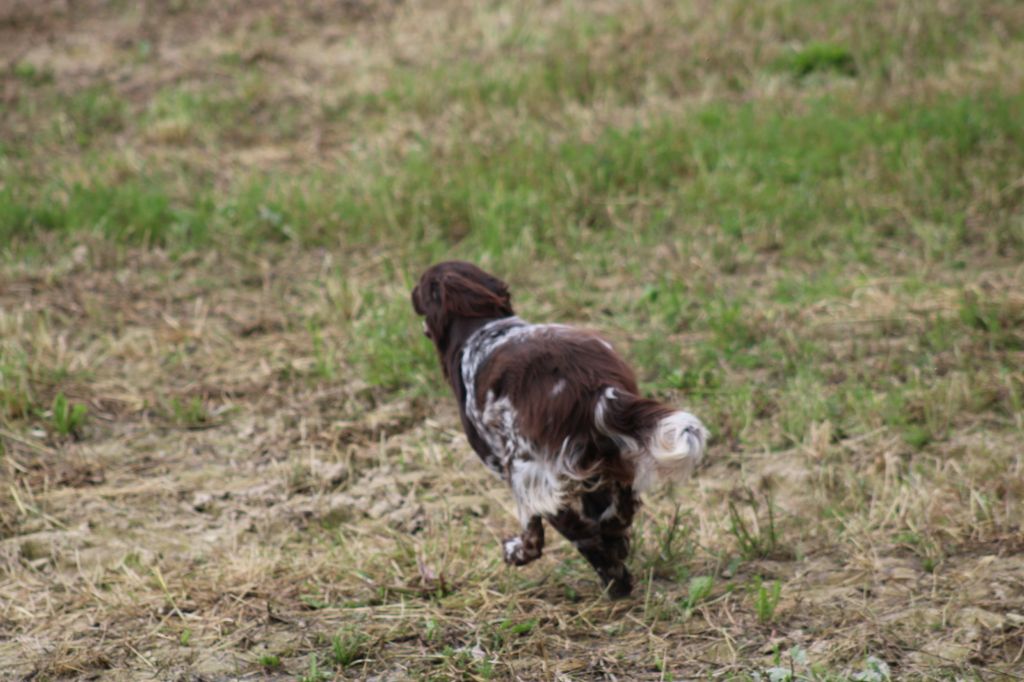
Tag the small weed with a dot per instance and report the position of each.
(270, 661)
(699, 589)
(314, 673)
(661, 664)
(67, 418)
(919, 413)
(324, 364)
(191, 414)
(803, 403)
(186, 637)
(927, 549)
(485, 669)
(347, 646)
(757, 540)
(313, 602)
(766, 598)
(521, 628)
(917, 436)
(431, 630)
(820, 57)
(15, 397)
(463, 662)
(675, 545)
(1000, 322)
(31, 74)
(874, 670)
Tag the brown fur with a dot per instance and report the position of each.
(457, 299)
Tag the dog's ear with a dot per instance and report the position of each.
(435, 309)
(455, 289)
(473, 293)
(416, 301)
(426, 294)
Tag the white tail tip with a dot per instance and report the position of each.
(677, 446)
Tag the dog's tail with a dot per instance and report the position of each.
(660, 441)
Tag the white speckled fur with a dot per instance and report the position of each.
(538, 478)
(535, 477)
(536, 487)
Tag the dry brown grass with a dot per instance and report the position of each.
(242, 497)
(302, 508)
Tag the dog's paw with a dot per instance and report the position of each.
(514, 551)
(620, 588)
(518, 553)
(617, 582)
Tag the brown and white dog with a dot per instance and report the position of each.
(556, 414)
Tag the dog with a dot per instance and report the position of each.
(554, 412)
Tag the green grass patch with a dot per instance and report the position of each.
(137, 211)
(90, 113)
(766, 180)
(33, 74)
(820, 57)
(67, 418)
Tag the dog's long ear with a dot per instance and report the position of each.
(474, 294)
(457, 289)
(416, 301)
(437, 313)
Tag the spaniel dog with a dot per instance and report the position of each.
(556, 414)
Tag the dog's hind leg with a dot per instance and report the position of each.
(599, 529)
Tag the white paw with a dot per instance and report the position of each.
(514, 550)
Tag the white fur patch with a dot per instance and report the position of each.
(513, 549)
(625, 443)
(677, 445)
(674, 447)
(536, 487)
(497, 420)
(538, 478)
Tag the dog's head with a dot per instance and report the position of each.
(454, 289)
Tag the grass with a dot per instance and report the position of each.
(346, 647)
(67, 418)
(821, 57)
(757, 538)
(227, 449)
(189, 413)
(766, 599)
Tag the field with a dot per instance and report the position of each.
(226, 450)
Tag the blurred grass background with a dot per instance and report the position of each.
(680, 146)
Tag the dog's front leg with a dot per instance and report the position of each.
(527, 546)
